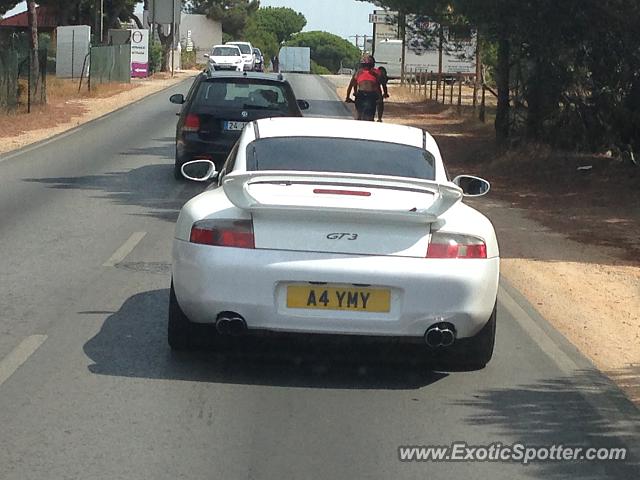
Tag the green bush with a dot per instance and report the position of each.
(319, 69)
(155, 57)
(327, 50)
(189, 59)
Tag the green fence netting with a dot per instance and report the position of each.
(19, 84)
(110, 64)
(9, 62)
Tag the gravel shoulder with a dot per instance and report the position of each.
(569, 242)
(62, 113)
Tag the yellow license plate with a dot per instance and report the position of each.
(339, 298)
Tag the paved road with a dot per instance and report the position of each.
(89, 389)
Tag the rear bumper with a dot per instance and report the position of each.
(253, 283)
(191, 145)
(228, 68)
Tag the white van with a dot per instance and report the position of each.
(388, 54)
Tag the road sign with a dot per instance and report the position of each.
(139, 53)
(165, 11)
(382, 18)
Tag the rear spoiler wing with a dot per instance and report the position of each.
(236, 187)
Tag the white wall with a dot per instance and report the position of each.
(205, 33)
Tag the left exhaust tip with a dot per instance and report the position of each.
(230, 323)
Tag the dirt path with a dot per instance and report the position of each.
(569, 238)
(66, 109)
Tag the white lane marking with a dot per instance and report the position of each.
(538, 335)
(19, 355)
(603, 397)
(126, 248)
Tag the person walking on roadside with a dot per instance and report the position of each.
(366, 86)
(384, 80)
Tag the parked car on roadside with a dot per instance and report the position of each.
(220, 104)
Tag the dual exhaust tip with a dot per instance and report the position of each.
(231, 324)
(436, 336)
(440, 335)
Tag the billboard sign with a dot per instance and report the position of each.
(140, 53)
(165, 12)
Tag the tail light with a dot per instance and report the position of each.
(191, 123)
(447, 245)
(223, 233)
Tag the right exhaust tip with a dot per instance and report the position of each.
(433, 337)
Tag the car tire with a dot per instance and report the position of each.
(179, 327)
(474, 353)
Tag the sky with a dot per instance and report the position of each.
(344, 18)
(341, 17)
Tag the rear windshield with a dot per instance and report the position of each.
(244, 48)
(340, 155)
(225, 52)
(247, 94)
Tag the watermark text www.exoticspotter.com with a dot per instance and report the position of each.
(517, 452)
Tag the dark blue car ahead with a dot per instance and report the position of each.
(220, 104)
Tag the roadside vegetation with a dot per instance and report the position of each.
(566, 73)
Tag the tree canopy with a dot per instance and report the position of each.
(6, 5)
(270, 27)
(281, 21)
(566, 72)
(327, 50)
(233, 14)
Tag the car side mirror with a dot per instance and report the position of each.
(206, 55)
(199, 170)
(472, 186)
(178, 98)
(303, 104)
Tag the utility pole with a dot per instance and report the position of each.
(440, 47)
(101, 21)
(173, 38)
(153, 21)
(375, 36)
(357, 39)
(402, 31)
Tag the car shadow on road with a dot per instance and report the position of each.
(583, 410)
(151, 187)
(132, 343)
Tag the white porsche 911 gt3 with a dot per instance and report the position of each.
(326, 226)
